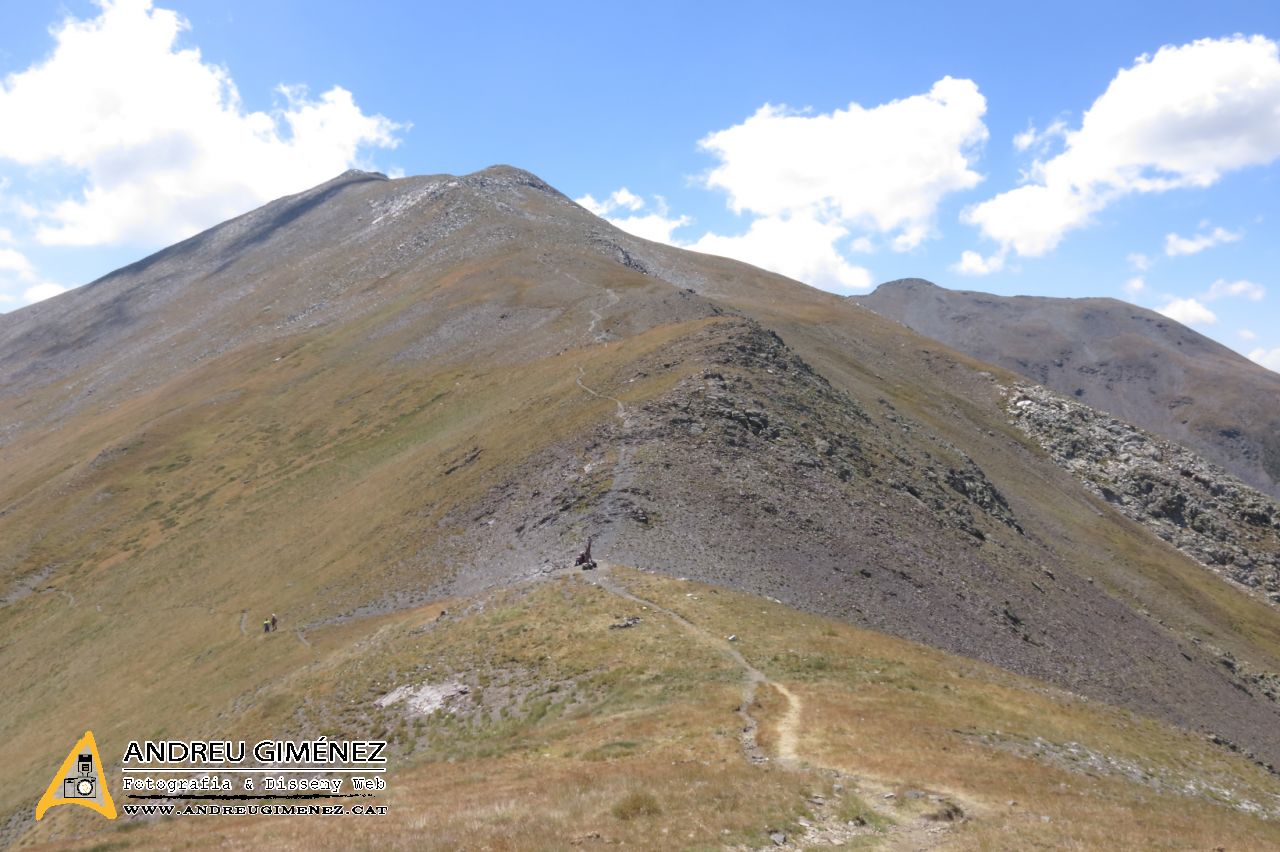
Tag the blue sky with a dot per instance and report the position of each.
(995, 147)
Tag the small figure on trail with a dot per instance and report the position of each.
(273, 622)
(584, 558)
(266, 625)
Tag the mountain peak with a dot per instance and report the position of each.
(353, 176)
(510, 177)
(908, 284)
(378, 394)
(1134, 363)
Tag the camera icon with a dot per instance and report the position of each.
(79, 788)
(84, 787)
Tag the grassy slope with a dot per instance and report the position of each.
(163, 517)
(576, 732)
(170, 543)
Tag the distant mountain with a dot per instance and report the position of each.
(381, 393)
(1134, 363)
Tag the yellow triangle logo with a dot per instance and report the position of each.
(79, 781)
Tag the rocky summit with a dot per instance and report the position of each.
(873, 587)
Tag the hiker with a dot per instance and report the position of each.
(273, 622)
(266, 625)
(584, 558)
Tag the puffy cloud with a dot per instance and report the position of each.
(6, 236)
(883, 169)
(620, 199)
(1139, 261)
(15, 263)
(1032, 138)
(1189, 312)
(1032, 219)
(1223, 289)
(973, 263)
(1269, 358)
(1247, 334)
(39, 292)
(657, 224)
(1182, 118)
(19, 281)
(1135, 286)
(819, 186)
(800, 247)
(1175, 245)
(161, 138)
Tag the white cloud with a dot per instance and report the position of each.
(15, 262)
(599, 208)
(1269, 358)
(1189, 312)
(6, 236)
(39, 292)
(1182, 118)
(653, 226)
(1032, 138)
(1223, 289)
(973, 263)
(619, 199)
(800, 247)
(1175, 245)
(1139, 261)
(1247, 334)
(626, 200)
(883, 169)
(819, 186)
(161, 138)
(657, 224)
(1135, 286)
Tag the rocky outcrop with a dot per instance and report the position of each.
(1130, 362)
(1196, 506)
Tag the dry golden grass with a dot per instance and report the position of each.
(162, 547)
(900, 716)
(639, 745)
(305, 475)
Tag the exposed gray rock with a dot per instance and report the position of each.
(1194, 505)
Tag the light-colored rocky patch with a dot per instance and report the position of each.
(1194, 505)
(425, 699)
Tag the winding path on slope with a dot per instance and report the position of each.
(752, 676)
(602, 336)
(622, 465)
(906, 832)
(909, 835)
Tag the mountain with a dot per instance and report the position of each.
(391, 412)
(1134, 363)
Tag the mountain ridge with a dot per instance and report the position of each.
(1123, 359)
(438, 386)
